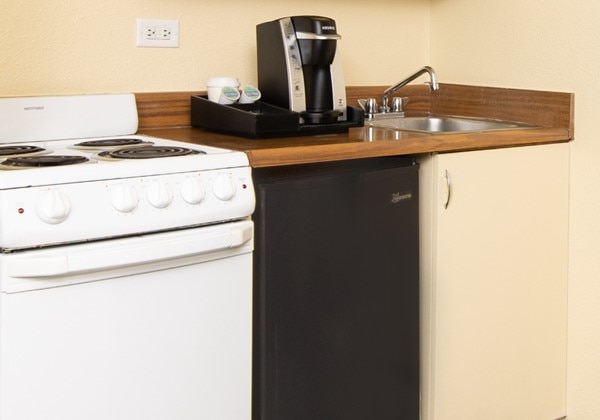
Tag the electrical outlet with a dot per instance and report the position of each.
(150, 32)
(163, 33)
(157, 33)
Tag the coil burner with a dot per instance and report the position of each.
(19, 150)
(148, 152)
(112, 144)
(43, 161)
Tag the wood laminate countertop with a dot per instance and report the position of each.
(164, 115)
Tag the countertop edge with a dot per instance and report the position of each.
(408, 146)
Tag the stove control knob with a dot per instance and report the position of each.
(192, 190)
(124, 198)
(54, 207)
(159, 194)
(223, 187)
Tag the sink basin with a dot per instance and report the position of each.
(434, 124)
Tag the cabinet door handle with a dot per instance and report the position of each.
(448, 189)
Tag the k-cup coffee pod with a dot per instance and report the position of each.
(229, 95)
(249, 95)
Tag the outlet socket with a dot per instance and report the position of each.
(163, 33)
(157, 33)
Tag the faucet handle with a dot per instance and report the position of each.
(370, 107)
(398, 103)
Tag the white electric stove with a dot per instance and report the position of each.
(57, 186)
(125, 267)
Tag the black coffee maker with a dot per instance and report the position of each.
(299, 68)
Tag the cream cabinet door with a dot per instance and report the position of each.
(494, 267)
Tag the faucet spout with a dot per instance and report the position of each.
(432, 78)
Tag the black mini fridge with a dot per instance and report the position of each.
(336, 291)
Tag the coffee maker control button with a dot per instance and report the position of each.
(297, 80)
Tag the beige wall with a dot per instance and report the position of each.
(60, 46)
(86, 46)
(548, 45)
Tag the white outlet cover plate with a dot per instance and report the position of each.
(141, 39)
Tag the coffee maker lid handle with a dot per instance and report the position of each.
(310, 35)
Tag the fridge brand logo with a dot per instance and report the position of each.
(34, 108)
(400, 196)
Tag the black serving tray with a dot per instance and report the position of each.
(262, 120)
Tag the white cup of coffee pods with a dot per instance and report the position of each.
(249, 95)
(215, 85)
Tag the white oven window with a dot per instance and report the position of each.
(170, 341)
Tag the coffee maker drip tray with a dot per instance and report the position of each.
(262, 120)
(325, 117)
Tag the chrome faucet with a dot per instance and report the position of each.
(433, 85)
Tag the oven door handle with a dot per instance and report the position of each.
(133, 252)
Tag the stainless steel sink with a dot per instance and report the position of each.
(437, 124)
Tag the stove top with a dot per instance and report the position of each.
(73, 169)
(81, 160)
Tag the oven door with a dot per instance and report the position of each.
(150, 327)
